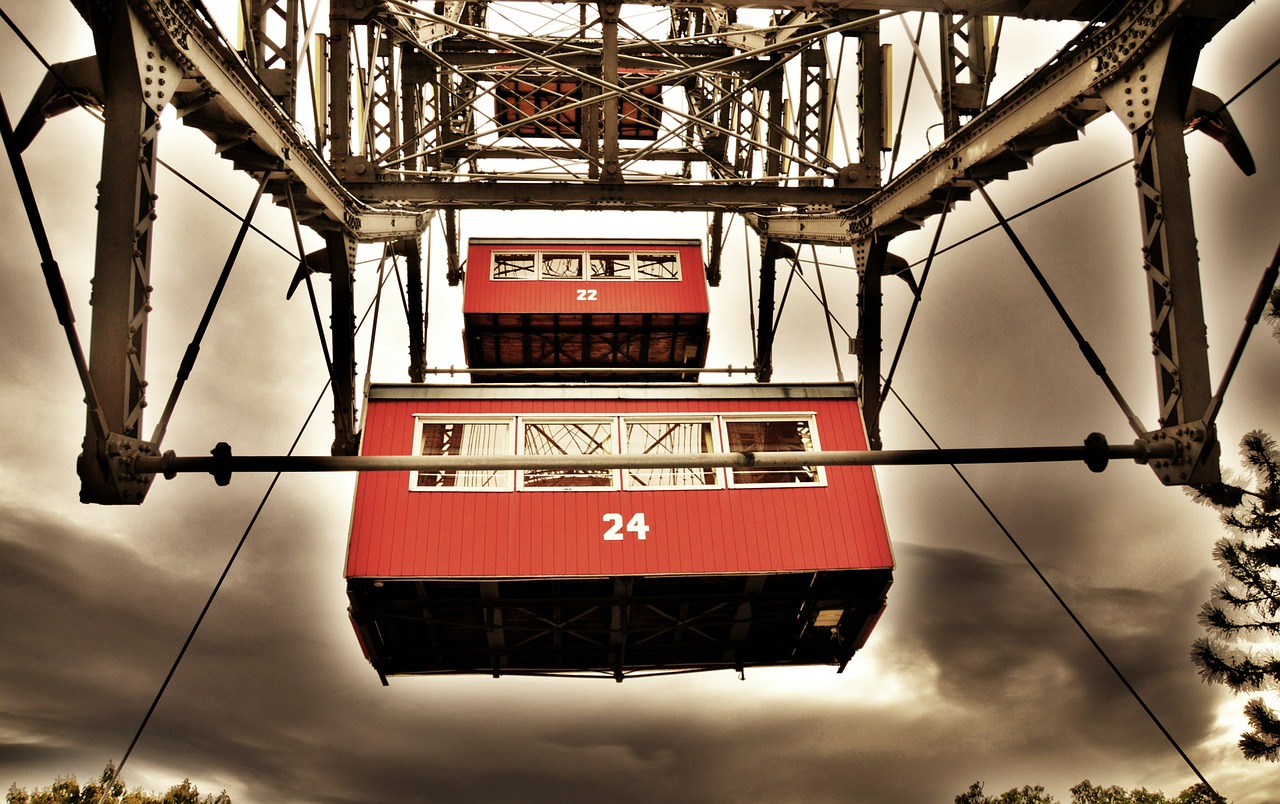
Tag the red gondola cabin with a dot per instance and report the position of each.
(614, 572)
(566, 305)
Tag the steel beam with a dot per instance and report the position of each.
(122, 265)
(965, 77)
(271, 33)
(871, 108)
(1152, 101)
(764, 317)
(870, 257)
(756, 196)
(227, 83)
(342, 260)
(1062, 96)
(415, 316)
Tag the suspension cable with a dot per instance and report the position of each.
(915, 303)
(227, 569)
(164, 685)
(311, 288)
(1066, 607)
(826, 311)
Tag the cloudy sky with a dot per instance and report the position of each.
(973, 674)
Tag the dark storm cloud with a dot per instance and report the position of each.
(1006, 651)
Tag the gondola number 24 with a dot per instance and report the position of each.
(635, 525)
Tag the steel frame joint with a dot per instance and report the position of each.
(1196, 451)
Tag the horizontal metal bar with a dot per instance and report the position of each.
(620, 370)
(499, 193)
(1095, 452)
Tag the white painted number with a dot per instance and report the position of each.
(635, 525)
(613, 534)
(588, 294)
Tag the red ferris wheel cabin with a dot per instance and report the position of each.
(614, 571)
(565, 305)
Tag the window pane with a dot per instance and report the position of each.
(657, 266)
(455, 438)
(562, 266)
(668, 438)
(513, 266)
(772, 436)
(611, 266)
(568, 438)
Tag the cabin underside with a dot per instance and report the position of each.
(615, 627)
(564, 342)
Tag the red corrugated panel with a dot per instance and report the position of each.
(398, 532)
(483, 294)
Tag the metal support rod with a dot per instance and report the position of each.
(52, 275)
(764, 324)
(868, 342)
(826, 312)
(919, 296)
(412, 251)
(620, 370)
(1095, 451)
(1252, 317)
(342, 327)
(193, 349)
(1090, 356)
(609, 107)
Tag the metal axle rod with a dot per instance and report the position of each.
(1095, 452)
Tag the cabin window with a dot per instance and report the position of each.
(657, 266)
(579, 265)
(668, 436)
(474, 438)
(561, 266)
(789, 434)
(640, 434)
(515, 266)
(557, 438)
(610, 265)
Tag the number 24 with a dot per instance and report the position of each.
(636, 525)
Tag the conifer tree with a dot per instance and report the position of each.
(1242, 615)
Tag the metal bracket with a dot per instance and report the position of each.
(1196, 445)
(120, 453)
(1133, 97)
(158, 74)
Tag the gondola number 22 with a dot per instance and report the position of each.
(635, 525)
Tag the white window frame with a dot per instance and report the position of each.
(493, 266)
(820, 479)
(633, 256)
(635, 259)
(619, 481)
(615, 475)
(540, 264)
(675, 418)
(423, 419)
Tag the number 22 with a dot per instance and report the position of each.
(586, 294)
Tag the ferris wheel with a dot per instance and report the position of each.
(372, 120)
